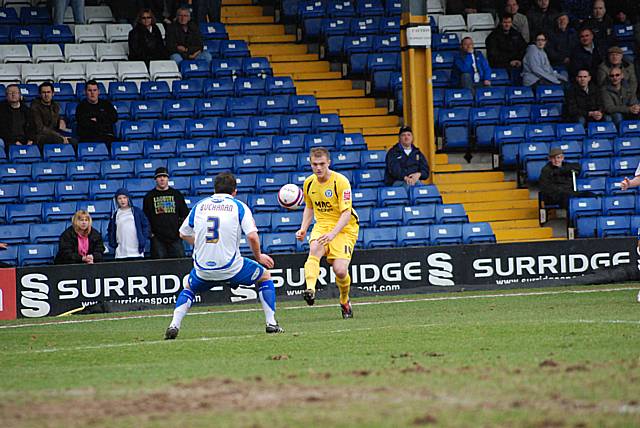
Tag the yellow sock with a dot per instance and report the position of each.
(312, 271)
(344, 285)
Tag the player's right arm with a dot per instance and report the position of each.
(187, 233)
(307, 218)
(254, 244)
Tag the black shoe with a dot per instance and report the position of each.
(171, 333)
(274, 328)
(309, 296)
(346, 310)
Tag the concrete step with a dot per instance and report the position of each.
(293, 57)
(523, 234)
(476, 187)
(281, 38)
(509, 214)
(238, 30)
(488, 196)
(442, 158)
(450, 167)
(345, 102)
(340, 94)
(349, 112)
(267, 49)
(240, 11)
(380, 130)
(380, 142)
(314, 75)
(231, 20)
(309, 86)
(514, 224)
(469, 177)
(500, 205)
(370, 121)
(300, 67)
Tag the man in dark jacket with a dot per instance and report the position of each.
(505, 46)
(166, 209)
(583, 102)
(184, 40)
(556, 180)
(95, 117)
(46, 121)
(15, 119)
(540, 18)
(587, 55)
(562, 40)
(405, 163)
(128, 229)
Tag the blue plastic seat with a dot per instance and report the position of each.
(519, 113)
(303, 104)
(570, 131)
(243, 106)
(123, 109)
(30, 212)
(201, 185)
(519, 95)
(293, 124)
(181, 183)
(541, 113)
(280, 85)
(369, 178)
(127, 150)
(119, 91)
(8, 16)
(595, 167)
(192, 88)
(619, 205)
(613, 187)
(286, 222)
(380, 237)
(159, 148)
(35, 254)
(533, 169)
(155, 90)
(273, 104)
(25, 34)
(219, 87)
(14, 234)
(137, 130)
(284, 242)
(351, 141)
(602, 130)
(246, 183)
(249, 163)
(48, 171)
(584, 207)
(114, 169)
(196, 147)
(73, 190)
(24, 154)
(233, 126)
(458, 98)
(365, 198)
(540, 132)
(443, 59)
(369, 8)
(451, 213)
(389, 196)
(146, 109)
(597, 147)
(234, 49)
(210, 107)
(183, 166)
(386, 216)
(373, 158)
(480, 232)
(37, 192)
(326, 123)
(413, 236)
(456, 116)
(170, 128)
(328, 141)
(194, 68)
(29, 91)
(549, 94)
(226, 67)
(281, 162)
(625, 166)
(271, 182)
(630, 128)
(58, 153)
(244, 86)
(34, 16)
(213, 31)
(256, 66)
(145, 168)
(225, 146)
(613, 226)
(626, 145)
(206, 127)
(9, 193)
(532, 151)
(591, 184)
(294, 143)
(104, 189)
(10, 255)
(265, 125)
(419, 214)
(257, 145)
(175, 109)
(102, 209)
(48, 233)
(267, 202)
(446, 234)
(490, 96)
(15, 172)
(345, 161)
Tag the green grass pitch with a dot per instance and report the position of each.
(534, 358)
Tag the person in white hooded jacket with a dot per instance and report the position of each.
(536, 68)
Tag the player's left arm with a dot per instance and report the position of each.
(254, 243)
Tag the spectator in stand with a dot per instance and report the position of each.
(588, 54)
(619, 100)
(541, 17)
(505, 46)
(184, 40)
(520, 22)
(125, 11)
(47, 124)
(166, 209)
(145, 39)
(80, 243)
(60, 7)
(616, 59)
(578, 9)
(15, 119)
(405, 163)
(470, 68)
(536, 68)
(207, 9)
(557, 180)
(95, 117)
(128, 229)
(600, 22)
(583, 102)
(561, 41)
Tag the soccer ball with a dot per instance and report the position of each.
(290, 196)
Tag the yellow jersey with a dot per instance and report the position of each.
(330, 199)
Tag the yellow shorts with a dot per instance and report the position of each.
(342, 245)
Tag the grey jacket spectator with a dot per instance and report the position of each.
(618, 100)
(615, 59)
(45, 115)
(520, 21)
(536, 67)
(505, 46)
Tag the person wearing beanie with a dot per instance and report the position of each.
(128, 229)
(405, 163)
(166, 209)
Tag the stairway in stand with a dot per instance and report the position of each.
(487, 196)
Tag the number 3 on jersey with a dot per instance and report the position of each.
(213, 230)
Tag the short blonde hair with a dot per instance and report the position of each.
(317, 152)
(75, 220)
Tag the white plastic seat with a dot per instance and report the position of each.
(434, 7)
(37, 73)
(103, 71)
(111, 52)
(162, 30)
(10, 73)
(451, 23)
(132, 70)
(89, 33)
(47, 53)
(79, 52)
(98, 14)
(118, 32)
(71, 72)
(164, 70)
(479, 38)
(480, 21)
(14, 53)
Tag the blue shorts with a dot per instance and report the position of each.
(251, 271)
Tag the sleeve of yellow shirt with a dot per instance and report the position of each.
(344, 193)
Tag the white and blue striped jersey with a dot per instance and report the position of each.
(217, 223)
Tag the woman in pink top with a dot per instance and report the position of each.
(80, 243)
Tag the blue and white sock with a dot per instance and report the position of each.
(184, 302)
(267, 293)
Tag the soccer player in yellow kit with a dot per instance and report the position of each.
(327, 195)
